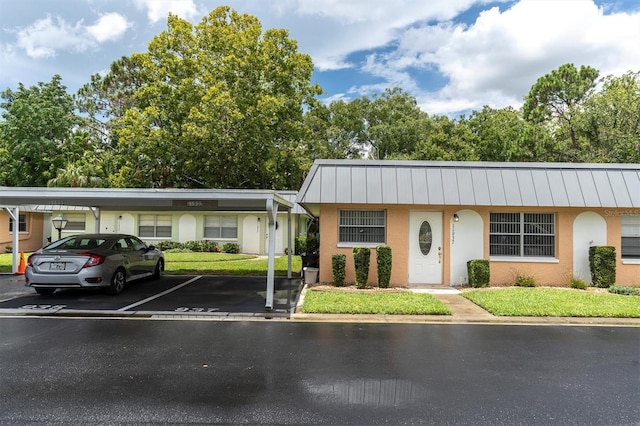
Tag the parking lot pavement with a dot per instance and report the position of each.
(175, 296)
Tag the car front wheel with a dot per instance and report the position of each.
(117, 282)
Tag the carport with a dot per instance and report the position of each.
(97, 199)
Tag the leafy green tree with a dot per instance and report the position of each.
(504, 135)
(395, 124)
(336, 130)
(218, 104)
(557, 99)
(76, 175)
(446, 139)
(38, 135)
(387, 125)
(612, 120)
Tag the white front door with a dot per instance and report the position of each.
(425, 248)
(251, 235)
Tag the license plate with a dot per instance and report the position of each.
(58, 266)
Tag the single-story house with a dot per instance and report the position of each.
(536, 219)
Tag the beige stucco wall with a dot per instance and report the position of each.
(555, 272)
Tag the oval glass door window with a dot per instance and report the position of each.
(425, 238)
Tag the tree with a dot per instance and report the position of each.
(445, 139)
(76, 175)
(38, 135)
(504, 135)
(558, 98)
(612, 120)
(394, 124)
(384, 126)
(219, 104)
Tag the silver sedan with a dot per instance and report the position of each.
(92, 260)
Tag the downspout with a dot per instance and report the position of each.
(272, 208)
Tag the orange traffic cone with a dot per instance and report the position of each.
(22, 266)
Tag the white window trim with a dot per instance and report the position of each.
(348, 245)
(522, 234)
(363, 244)
(630, 261)
(225, 239)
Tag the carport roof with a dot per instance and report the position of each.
(470, 184)
(155, 199)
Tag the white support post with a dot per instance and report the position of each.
(290, 244)
(272, 209)
(96, 215)
(15, 249)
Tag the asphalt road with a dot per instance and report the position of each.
(111, 371)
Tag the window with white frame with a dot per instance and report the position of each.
(630, 245)
(22, 223)
(75, 221)
(522, 234)
(362, 227)
(154, 226)
(221, 227)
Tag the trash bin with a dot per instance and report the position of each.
(310, 275)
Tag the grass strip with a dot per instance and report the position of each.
(390, 303)
(554, 302)
(251, 266)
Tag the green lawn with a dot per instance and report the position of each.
(225, 264)
(554, 302)
(360, 302)
(6, 260)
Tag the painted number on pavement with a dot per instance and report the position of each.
(41, 307)
(185, 309)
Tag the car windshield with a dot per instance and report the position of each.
(76, 243)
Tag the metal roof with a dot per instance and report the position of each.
(290, 196)
(471, 184)
(141, 199)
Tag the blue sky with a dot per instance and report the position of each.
(453, 56)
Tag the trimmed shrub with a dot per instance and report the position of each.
(313, 244)
(339, 268)
(8, 249)
(479, 273)
(233, 248)
(168, 245)
(627, 291)
(524, 280)
(578, 283)
(602, 262)
(383, 260)
(300, 245)
(362, 259)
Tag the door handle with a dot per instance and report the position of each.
(439, 254)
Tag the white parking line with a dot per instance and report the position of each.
(148, 299)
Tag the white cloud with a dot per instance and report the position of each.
(497, 59)
(46, 37)
(109, 27)
(331, 30)
(158, 10)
